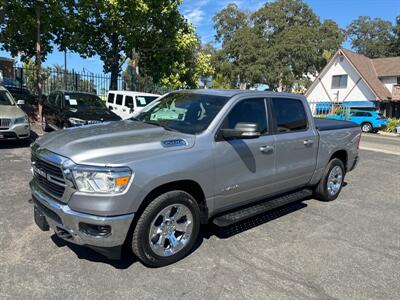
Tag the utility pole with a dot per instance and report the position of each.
(38, 60)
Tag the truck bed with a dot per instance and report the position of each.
(329, 124)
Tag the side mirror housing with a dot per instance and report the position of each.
(21, 102)
(242, 131)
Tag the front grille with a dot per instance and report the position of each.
(49, 177)
(5, 123)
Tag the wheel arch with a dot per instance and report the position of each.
(342, 155)
(189, 186)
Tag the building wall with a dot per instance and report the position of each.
(341, 66)
(389, 82)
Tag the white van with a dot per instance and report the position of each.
(127, 103)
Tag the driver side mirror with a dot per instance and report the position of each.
(241, 131)
(20, 102)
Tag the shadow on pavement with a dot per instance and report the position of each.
(206, 232)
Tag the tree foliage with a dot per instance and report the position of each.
(18, 26)
(279, 44)
(371, 37)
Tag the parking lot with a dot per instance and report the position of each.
(346, 249)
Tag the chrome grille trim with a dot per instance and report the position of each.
(5, 123)
(47, 169)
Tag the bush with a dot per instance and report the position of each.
(392, 124)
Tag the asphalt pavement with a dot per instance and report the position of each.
(345, 249)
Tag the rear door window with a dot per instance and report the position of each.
(289, 115)
(110, 98)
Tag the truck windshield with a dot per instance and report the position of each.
(83, 102)
(184, 112)
(6, 98)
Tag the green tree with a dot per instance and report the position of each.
(111, 29)
(279, 44)
(371, 37)
(395, 45)
(18, 26)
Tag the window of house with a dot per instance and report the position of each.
(339, 81)
(289, 115)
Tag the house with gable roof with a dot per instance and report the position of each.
(356, 81)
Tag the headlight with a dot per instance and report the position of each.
(110, 181)
(76, 121)
(21, 120)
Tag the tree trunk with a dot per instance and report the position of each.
(38, 64)
(114, 67)
(114, 75)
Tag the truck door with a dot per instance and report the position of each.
(296, 143)
(245, 168)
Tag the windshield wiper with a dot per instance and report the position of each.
(159, 124)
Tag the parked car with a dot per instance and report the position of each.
(22, 93)
(63, 109)
(370, 121)
(126, 104)
(14, 123)
(189, 157)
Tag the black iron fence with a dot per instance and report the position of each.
(56, 78)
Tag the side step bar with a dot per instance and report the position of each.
(259, 208)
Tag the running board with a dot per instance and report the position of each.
(251, 211)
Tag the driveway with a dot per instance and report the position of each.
(346, 249)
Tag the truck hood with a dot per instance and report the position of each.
(114, 143)
(10, 112)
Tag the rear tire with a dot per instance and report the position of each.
(328, 189)
(366, 127)
(173, 216)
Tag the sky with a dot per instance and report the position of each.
(201, 12)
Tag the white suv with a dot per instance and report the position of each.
(126, 104)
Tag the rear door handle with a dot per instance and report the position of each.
(267, 149)
(308, 142)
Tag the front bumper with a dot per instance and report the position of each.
(66, 222)
(15, 132)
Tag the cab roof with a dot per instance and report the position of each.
(232, 93)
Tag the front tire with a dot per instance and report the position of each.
(328, 189)
(167, 229)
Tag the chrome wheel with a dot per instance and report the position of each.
(366, 127)
(335, 180)
(171, 229)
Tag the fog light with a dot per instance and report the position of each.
(95, 230)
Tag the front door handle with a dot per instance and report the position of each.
(267, 149)
(308, 142)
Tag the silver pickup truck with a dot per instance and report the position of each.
(188, 158)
